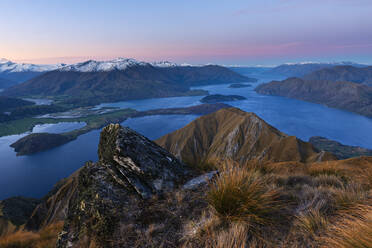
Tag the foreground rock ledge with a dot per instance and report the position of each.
(132, 175)
(134, 159)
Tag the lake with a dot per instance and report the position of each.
(35, 175)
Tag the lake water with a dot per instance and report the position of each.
(39, 101)
(35, 175)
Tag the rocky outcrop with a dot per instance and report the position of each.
(233, 134)
(132, 158)
(131, 186)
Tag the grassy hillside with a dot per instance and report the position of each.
(234, 134)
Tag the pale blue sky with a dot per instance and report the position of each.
(229, 32)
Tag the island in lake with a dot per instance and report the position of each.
(239, 85)
(221, 98)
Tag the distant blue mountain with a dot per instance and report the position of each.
(302, 69)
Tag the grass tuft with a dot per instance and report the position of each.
(352, 230)
(311, 222)
(241, 194)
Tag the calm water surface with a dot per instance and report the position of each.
(35, 175)
(39, 101)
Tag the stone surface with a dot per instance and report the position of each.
(200, 180)
(132, 158)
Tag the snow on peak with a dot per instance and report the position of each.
(109, 65)
(164, 64)
(115, 64)
(7, 66)
(3, 61)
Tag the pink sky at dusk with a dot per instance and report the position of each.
(227, 32)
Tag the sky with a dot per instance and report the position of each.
(245, 32)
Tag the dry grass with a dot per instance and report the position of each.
(347, 197)
(241, 194)
(352, 230)
(315, 196)
(45, 238)
(235, 236)
(328, 181)
(326, 168)
(311, 222)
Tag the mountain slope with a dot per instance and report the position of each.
(301, 69)
(341, 151)
(15, 212)
(6, 83)
(237, 135)
(9, 103)
(344, 95)
(20, 72)
(123, 80)
(343, 73)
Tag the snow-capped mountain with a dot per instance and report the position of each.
(164, 64)
(110, 65)
(96, 66)
(7, 66)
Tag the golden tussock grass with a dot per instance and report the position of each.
(311, 222)
(45, 238)
(351, 230)
(241, 194)
(235, 236)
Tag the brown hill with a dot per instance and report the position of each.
(343, 95)
(237, 135)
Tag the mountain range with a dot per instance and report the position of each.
(93, 82)
(328, 87)
(353, 74)
(304, 68)
(349, 96)
(21, 72)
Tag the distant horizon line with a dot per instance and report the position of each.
(81, 59)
